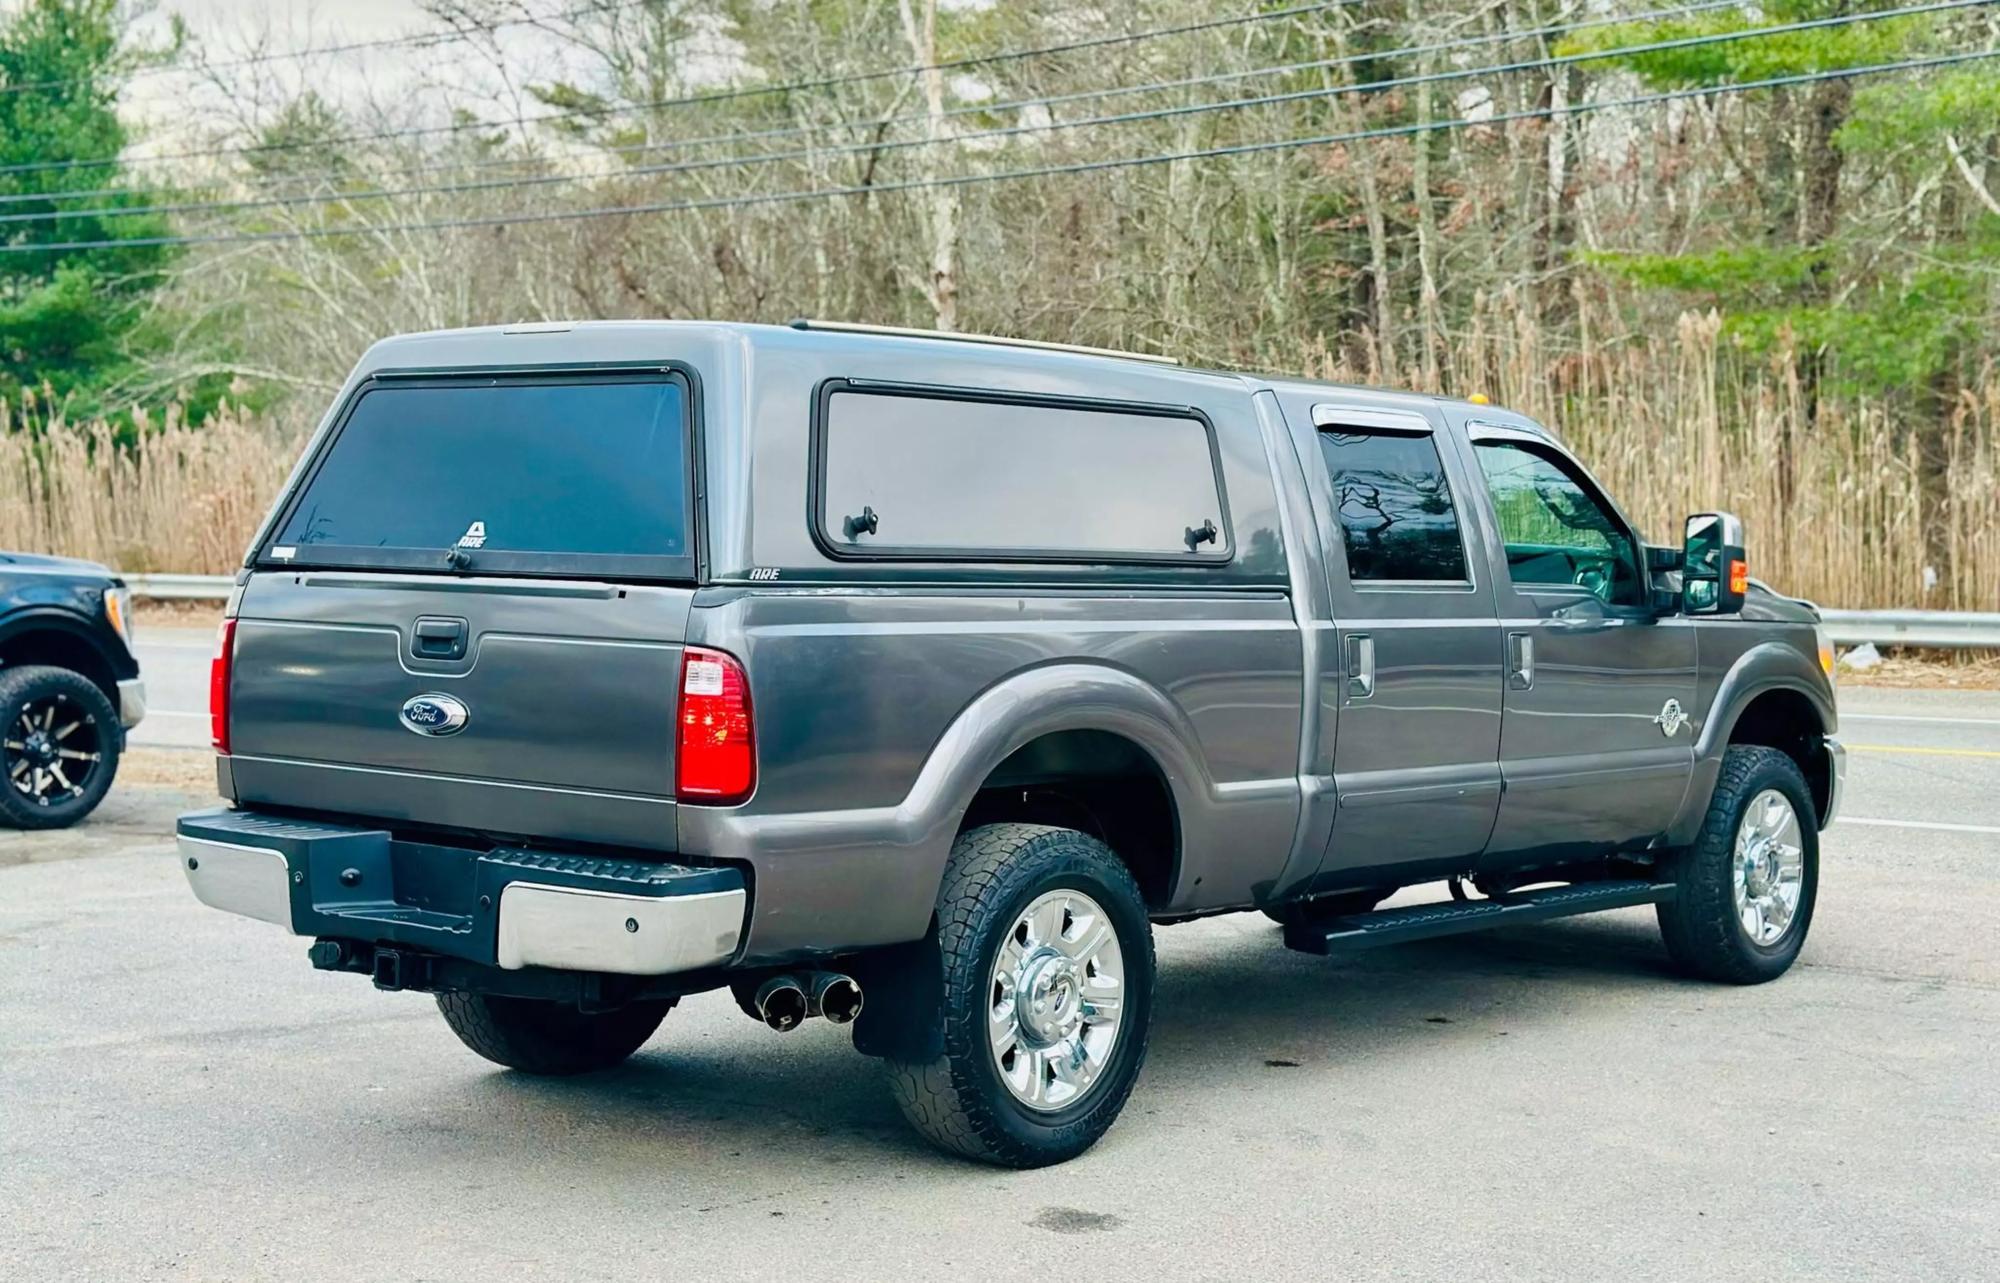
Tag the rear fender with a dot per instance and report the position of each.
(829, 881)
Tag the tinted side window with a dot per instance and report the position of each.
(1556, 529)
(981, 479)
(1395, 507)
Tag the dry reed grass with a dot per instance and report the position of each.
(1670, 423)
(182, 499)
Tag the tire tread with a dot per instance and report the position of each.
(1699, 924)
(545, 1039)
(15, 811)
(937, 1097)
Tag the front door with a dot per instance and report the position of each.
(1595, 747)
(1418, 648)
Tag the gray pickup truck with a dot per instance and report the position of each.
(581, 668)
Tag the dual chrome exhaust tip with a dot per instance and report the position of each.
(786, 1002)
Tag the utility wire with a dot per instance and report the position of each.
(458, 33)
(1011, 131)
(720, 95)
(1012, 175)
(985, 108)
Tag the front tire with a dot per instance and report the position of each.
(1749, 883)
(59, 746)
(549, 1038)
(1046, 958)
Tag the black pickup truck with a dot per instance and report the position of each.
(583, 668)
(69, 687)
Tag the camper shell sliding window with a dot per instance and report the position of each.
(951, 474)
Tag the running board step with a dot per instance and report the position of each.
(1426, 921)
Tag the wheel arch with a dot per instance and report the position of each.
(1086, 734)
(1773, 695)
(1100, 782)
(1784, 718)
(60, 640)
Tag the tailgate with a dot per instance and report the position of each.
(468, 611)
(568, 693)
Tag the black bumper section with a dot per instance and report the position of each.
(403, 910)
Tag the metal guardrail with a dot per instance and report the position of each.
(1945, 629)
(180, 587)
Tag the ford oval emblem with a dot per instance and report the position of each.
(435, 715)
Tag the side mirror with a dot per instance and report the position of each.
(1715, 576)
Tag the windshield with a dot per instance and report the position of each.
(518, 476)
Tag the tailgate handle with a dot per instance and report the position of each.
(438, 637)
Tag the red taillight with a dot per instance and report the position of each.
(716, 758)
(218, 686)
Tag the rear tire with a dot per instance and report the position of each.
(1046, 1003)
(1736, 882)
(59, 746)
(550, 1038)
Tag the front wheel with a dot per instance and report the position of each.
(1046, 1003)
(59, 743)
(552, 1038)
(1749, 883)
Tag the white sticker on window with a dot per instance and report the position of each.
(474, 536)
(284, 554)
(704, 677)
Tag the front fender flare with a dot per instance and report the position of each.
(78, 629)
(1763, 668)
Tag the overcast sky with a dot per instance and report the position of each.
(416, 84)
(328, 21)
(172, 109)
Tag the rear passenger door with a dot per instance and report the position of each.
(1595, 747)
(1416, 751)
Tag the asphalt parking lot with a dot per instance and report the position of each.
(182, 1097)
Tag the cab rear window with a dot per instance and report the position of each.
(557, 475)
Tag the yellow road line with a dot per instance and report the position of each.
(1927, 752)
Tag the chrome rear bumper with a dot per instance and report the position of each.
(504, 907)
(578, 930)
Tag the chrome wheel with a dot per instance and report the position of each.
(1056, 1000)
(50, 750)
(1769, 868)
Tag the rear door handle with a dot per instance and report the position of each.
(1521, 661)
(438, 637)
(1360, 666)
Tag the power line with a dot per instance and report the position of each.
(458, 33)
(985, 108)
(1400, 82)
(715, 96)
(1013, 175)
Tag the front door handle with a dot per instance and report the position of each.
(1521, 661)
(1360, 666)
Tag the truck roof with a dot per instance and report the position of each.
(422, 348)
